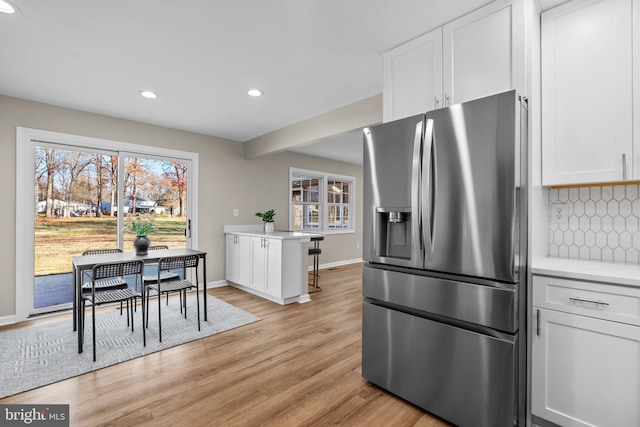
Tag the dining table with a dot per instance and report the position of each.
(84, 263)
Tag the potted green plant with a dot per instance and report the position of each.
(267, 217)
(142, 226)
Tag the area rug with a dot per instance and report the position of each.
(39, 355)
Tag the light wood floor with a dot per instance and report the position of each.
(300, 365)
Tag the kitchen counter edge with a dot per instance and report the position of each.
(596, 271)
(282, 235)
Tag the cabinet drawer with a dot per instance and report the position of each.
(599, 300)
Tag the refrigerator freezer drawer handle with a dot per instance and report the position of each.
(416, 225)
(427, 185)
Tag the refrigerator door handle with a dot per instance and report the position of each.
(426, 208)
(418, 244)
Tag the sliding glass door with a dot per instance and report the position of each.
(85, 198)
(74, 192)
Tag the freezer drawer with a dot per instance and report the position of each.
(483, 305)
(464, 377)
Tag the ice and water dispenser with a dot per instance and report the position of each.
(393, 232)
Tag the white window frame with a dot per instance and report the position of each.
(26, 140)
(323, 203)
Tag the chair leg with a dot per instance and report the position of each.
(144, 332)
(128, 317)
(147, 314)
(93, 322)
(81, 324)
(313, 282)
(197, 303)
(133, 303)
(159, 315)
(183, 302)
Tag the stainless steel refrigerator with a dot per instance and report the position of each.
(445, 238)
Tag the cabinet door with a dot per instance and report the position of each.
(585, 371)
(484, 53)
(274, 267)
(587, 92)
(244, 256)
(636, 91)
(232, 259)
(413, 77)
(258, 264)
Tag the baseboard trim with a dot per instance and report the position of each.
(337, 263)
(7, 320)
(217, 284)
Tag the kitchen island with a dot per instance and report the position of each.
(271, 265)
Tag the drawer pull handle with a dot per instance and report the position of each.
(577, 299)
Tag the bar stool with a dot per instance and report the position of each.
(315, 251)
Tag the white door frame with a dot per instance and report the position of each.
(26, 140)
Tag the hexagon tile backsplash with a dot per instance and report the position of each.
(601, 223)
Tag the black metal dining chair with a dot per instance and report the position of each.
(106, 284)
(166, 276)
(112, 270)
(181, 286)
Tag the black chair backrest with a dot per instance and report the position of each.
(158, 247)
(101, 251)
(117, 269)
(172, 263)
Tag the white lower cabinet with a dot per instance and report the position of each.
(271, 267)
(585, 370)
(266, 265)
(238, 248)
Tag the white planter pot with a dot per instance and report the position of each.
(268, 227)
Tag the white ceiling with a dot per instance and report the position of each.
(201, 56)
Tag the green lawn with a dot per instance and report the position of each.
(57, 240)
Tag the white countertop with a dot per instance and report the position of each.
(599, 271)
(258, 231)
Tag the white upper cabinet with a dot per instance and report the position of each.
(484, 52)
(479, 54)
(587, 98)
(413, 77)
(636, 89)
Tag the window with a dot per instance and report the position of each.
(321, 201)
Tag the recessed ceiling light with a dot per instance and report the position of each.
(6, 7)
(148, 94)
(255, 92)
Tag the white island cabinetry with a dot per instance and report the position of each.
(271, 265)
(266, 265)
(238, 247)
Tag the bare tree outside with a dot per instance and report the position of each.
(177, 175)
